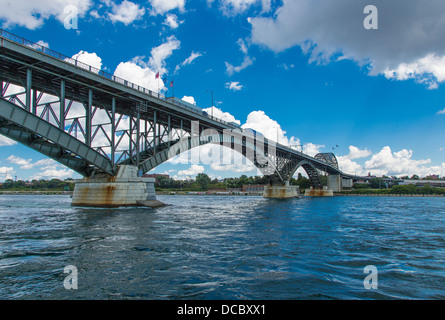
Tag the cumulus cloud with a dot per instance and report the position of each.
(144, 73)
(235, 7)
(234, 85)
(172, 20)
(271, 129)
(91, 59)
(46, 168)
(4, 141)
(192, 171)
(189, 99)
(218, 113)
(52, 172)
(356, 153)
(33, 14)
(160, 53)
(142, 76)
(127, 12)
(401, 163)
(26, 164)
(407, 44)
(164, 6)
(346, 164)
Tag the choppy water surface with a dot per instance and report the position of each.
(224, 247)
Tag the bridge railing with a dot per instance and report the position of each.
(5, 35)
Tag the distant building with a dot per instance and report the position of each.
(432, 177)
(421, 183)
(254, 188)
(156, 176)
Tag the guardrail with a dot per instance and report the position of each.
(5, 35)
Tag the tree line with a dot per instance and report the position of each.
(38, 185)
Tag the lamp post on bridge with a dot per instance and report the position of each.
(78, 55)
(212, 100)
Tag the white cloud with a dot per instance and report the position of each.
(43, 43)
(163, 6)
(141, 76)
(260, 122)
(189, 60)
(27, 164)
(231, 69)
(91, 59)
(218, 113)
(126, 12)
(144, 74)
(160, 53)
(235, 86)
(4, 141)
(189, 99)
(33, 14)
(348, 166)
(356, 153)
(234, 7)
(441, 111)
(249, 167)
(407, 44)
(6, 173)
(47, 168)
(192, 171)
(428, 70)
(172, 21)
(49, 173)
(312, 149)
(400, 163)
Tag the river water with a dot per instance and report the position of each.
(224, 247)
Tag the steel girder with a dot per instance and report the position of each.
(329, 158)
(30, 130)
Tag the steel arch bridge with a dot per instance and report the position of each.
(93, 122)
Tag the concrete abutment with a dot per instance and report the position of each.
(125, 189)
(281, 191)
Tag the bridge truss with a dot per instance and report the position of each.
(92, 121)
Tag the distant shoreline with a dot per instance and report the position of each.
(36, 192)
(388, 195)
(70, 193)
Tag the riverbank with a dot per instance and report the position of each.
(387, 195)
(36, 192)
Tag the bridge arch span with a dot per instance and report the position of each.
(311, 171)
(241, 144)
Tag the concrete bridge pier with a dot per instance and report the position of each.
(123, 190)
(281, 191)
(335, 184)
(319, 192)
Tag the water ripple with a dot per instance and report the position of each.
(224, 247)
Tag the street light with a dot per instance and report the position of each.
(78, 55)
(212, 100)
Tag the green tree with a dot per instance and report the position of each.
(203, 180)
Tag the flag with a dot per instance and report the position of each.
(171, 84)
(157, 75)
(164, 79)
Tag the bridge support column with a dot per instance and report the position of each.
(281, 191)
(317, 192)
(335, 183)
(126, 189)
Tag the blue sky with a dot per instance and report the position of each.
(311, 74)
